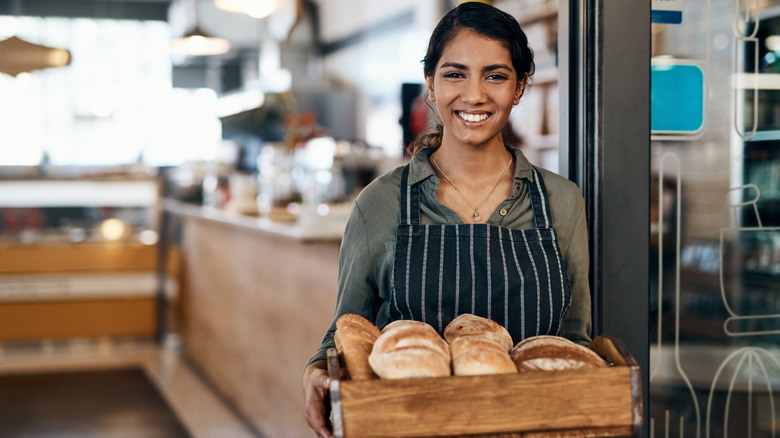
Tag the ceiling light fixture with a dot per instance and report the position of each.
(196, 42)
(253, 8)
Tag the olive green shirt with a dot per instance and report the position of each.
(368, 245)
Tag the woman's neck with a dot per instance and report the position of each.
(472, 162)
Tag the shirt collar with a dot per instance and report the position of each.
(420, 168)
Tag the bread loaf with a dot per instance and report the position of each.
(406, 350)
(480, 361)
(478, 346)
(404, 322)
(468, 325)
(553, 353)
(355, 337)
(410, 362)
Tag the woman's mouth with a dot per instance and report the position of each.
(471, 117)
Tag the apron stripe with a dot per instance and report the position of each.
(457, 272)
(473, 268)
(522, 286)
(538, 291)
(408, 262)
(424, 271)
(560, 275)
(549, 281)
(441, 276)
(489, 276)
(506, 277)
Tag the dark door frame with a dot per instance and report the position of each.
(604, 60)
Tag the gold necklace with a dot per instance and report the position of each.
(477, 217)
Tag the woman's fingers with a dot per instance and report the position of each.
(316, 389)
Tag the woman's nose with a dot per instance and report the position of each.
(473, 92)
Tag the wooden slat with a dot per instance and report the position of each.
(69, 319)
(76, 257)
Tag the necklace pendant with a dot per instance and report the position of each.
(477, 217)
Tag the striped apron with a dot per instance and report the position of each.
(514, 277)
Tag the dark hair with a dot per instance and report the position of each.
(487, 21)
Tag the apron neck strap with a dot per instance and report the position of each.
(410, 208)
(540, 202)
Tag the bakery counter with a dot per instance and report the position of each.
(256, 298)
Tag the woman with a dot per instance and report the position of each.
(480, 229)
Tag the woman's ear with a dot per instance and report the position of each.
(520, 88)
(429, 86)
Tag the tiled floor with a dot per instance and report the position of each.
(202, 412)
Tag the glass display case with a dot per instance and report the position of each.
(78, 257)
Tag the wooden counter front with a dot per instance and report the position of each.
(255, 306)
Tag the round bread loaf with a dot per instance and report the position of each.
(410, 349)
(410, 362)
(358, 322)
(404, 322)
(479, 361)
(472, 325)
(553, 353)
(466, 343)
(403, 336)
(354, 338)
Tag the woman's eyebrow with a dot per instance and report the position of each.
(460, 66)
(497, 67)
(454, 65)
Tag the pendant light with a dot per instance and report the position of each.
(253, 8)
(196, 42)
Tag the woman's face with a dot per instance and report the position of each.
(474, 88)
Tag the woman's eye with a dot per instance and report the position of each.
(497, 77)
(453, 74)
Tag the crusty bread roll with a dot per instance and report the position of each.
(411, 336)
(476, 355)
(466, 343)
(404, 322)
(479, 361)
(407, 350)
(469, 325)
(553, 353)
(355, 337)
(410, 362)
(355, 321)
(478, 346)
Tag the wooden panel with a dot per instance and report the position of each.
(256, 307)
(76, 257)
(68, 319)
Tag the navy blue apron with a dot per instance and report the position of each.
(514, 277)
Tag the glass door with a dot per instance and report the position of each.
(714, 310)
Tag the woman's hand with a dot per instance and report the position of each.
(315, 391)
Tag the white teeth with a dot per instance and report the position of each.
(473, 117)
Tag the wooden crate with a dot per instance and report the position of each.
(573, 403)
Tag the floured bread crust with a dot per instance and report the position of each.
(355, 337)
(479, 346)
(479, 361)
(406, 350)
(554, 353)
(468, 324)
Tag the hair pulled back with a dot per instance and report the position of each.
(487, 21)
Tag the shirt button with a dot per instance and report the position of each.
(502, 212)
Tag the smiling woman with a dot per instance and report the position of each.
(481, 230)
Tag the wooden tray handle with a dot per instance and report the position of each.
(615, 352)
(335, 393)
